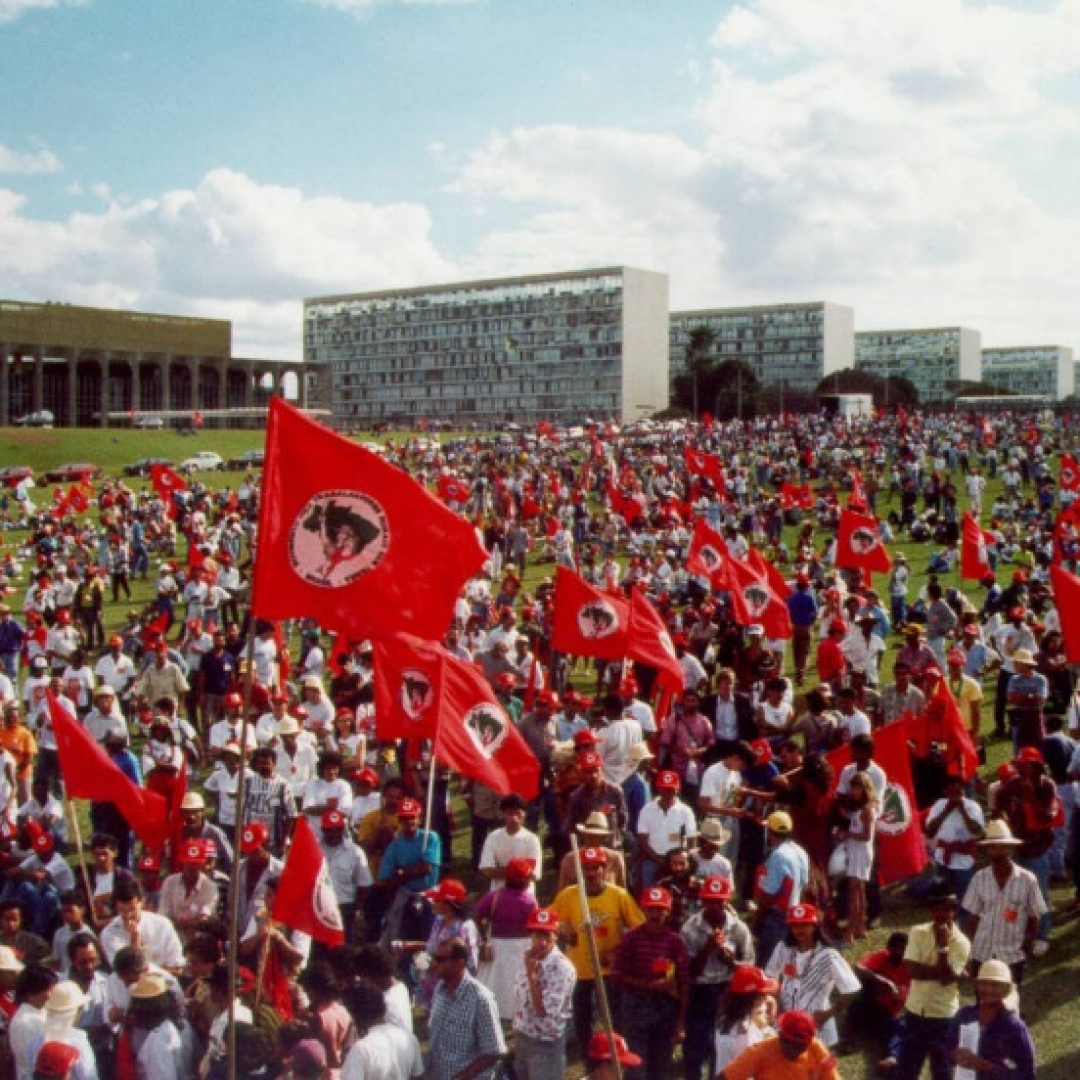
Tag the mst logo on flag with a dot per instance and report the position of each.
(757, 598)
(417, 695)
(487, 727)
(895, 816)
(597, 619)
(338, 537)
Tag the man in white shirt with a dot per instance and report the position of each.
(512, 841)
(116, 668)
(348, 868)
(619, 733)
(154, 934)
(953, 825)
(384, 1050)
(663, 824)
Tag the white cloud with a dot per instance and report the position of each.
(37, 161)
(229, 247)
(864, 153)
(365, 7)
(10, 10)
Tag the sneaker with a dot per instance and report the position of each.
(1040, 947)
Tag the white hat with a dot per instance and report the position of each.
(8, 960)
(65, 997)
(713, 830)
(998, 832)
(997, 971)
(289, 726)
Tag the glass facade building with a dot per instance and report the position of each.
(559, 347)
(791, 345)
(1046, 370)
(934, 361)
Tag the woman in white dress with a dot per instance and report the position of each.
(858, 842)
(811, 971)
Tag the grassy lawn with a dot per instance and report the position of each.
(1051, 995)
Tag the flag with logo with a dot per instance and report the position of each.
(858, 544)
(452, 489)
(698, 463)
(771, 571)
(408, 674)
(755, 600)
(1066, 588)
(626, 506)
(352, 540)
(588, 622)
(89, 773)
(305, 899)
(650, 643)
(708, 550)
(974, 560)
(475, 735)
(901, 848)
(1070, 473)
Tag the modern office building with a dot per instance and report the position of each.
(935, 361)
(1039, 370)
(94, 367)
(790, 345)
(559, 347)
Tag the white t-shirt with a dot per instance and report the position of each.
(666, 829)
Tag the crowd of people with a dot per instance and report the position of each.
(690, 884)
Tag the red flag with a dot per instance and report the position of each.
(588, 622)
(858, 543)
(1066, 529)
(545, 429)
(1070, 473)
(1066, 588)
(974, 561)
(650, 643)
(77, 500)
(305, 897)
(901, 847)
(626, 506)
(89, 773)
(857, 499)
(349, 538)
(771, 572)
(407, 685)
(156, 629)
(756, 601)
(797, 495)
(166, 480)
(699, 463)
(708, 551)
(951, 729)
(452, 489)
(476, 736)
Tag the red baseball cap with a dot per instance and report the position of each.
(585, 737)
(604, 1047)
(333, 819)
(449, 891)
(593, 856)
(192, 854)
(667, 781)
(715, 888)
(797, 1026)
(543, 919)
(747, 979)
(409, 809)
(590, 759)
(656, 897)
(253, 837)
(802, 915)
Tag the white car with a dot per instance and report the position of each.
(203, 461)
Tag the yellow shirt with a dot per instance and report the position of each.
(612, 913)
(928, 997)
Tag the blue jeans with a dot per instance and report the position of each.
(1039, 865)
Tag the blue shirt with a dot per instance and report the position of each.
(404, 851)
(787, 861)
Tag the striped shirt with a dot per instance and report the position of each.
(1003, 913)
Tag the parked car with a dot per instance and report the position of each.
(149, 423)
(10, 475)
(203, 461)
(143, 466)
(74, 472)
(42, 418)
(249, 459)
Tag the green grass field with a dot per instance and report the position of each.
(1051, 995)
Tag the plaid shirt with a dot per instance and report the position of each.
(464, 1026)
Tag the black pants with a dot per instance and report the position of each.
(701, 1028)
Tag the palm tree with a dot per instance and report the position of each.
(699, 358)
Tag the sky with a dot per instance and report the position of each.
(918, 160)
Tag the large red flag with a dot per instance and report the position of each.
(626, 506)
(974, 561)
(305, 898)
(89, 773)
(708, 551)
(796, 495)
(1066, 530)
(941, 722)
(1070, 473)
(650, 643)
(1066, 588)
(588, 622)
(858, 543)
(352, 540)
(771, 572)
(901, 849)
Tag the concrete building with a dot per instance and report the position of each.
(933, 360)
(789, 345)
(1042, 370)
(93, 367)
(559, 347)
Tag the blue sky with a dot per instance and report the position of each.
(917, 161)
